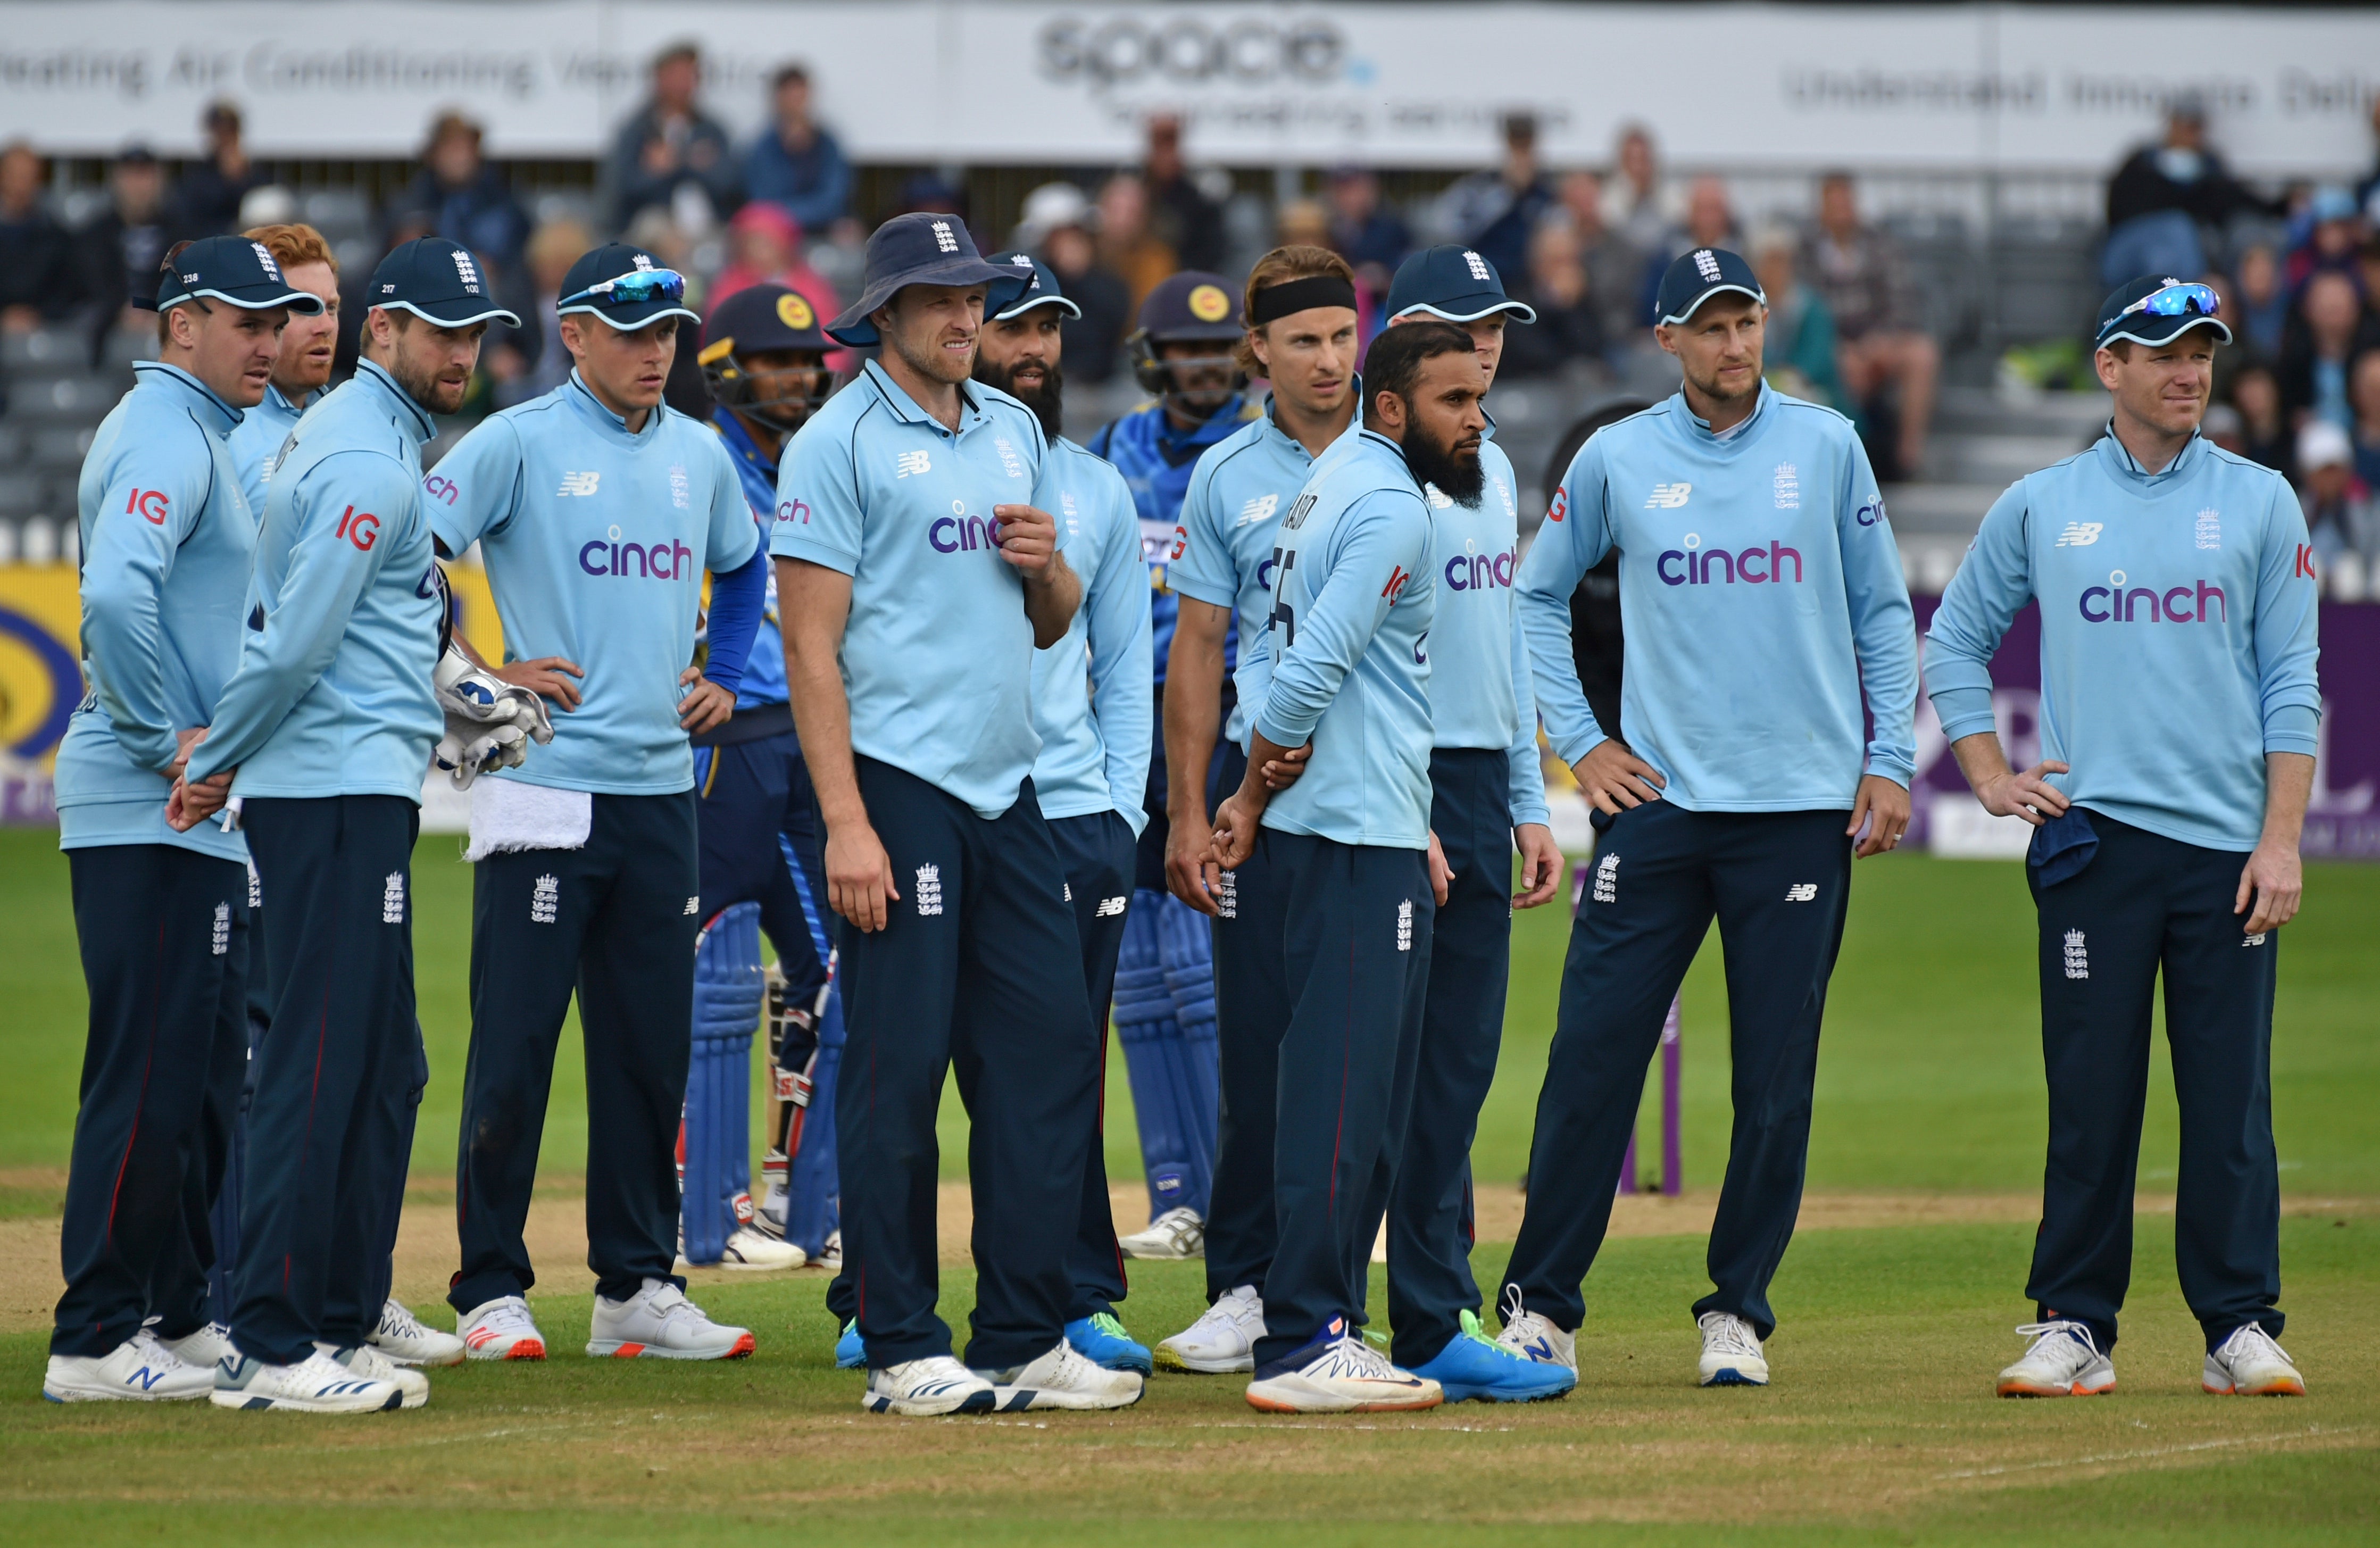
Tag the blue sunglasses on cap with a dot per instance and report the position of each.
(2177, 300)
(634, 287)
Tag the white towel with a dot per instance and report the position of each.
(509, 814)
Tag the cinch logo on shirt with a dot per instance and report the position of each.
(2079, 534)
(1668, 496)
(1256, 510)
(793, 510)
(661, 561)
(2185, 603)
(961, 533)
(439, 487)
(1696, 561)
(579, 483)
(1473, 572)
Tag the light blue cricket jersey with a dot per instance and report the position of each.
(938, 653)
(1344, 657)
(2177, 617)
(1095, 722)
(1758, 586)
(1230, 520)
(332, 694)
(595, 541)
(1479, 690)
(167, 543)
(256, 443)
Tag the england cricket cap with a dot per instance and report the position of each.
(1455, 282)
(232, 270)
(1192, 305)
(438, 282)
(762, 318)
(625, 288)
(922, 248)
(2154, 310)
(1696, 276)
(1024, 283)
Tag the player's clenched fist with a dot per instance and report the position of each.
(1029, 538)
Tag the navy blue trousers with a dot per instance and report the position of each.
(164, 937)
(615, 923)
(338, 1072)
(1778, 882)
(1355, 954)
(978, 971)
(751, 794)
(1094, 854)
(1429, 1214)
(2144, 904)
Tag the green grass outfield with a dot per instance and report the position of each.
(1880, 1428)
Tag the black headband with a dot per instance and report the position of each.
(1297, 295)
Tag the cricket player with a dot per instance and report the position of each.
(598, 508)
(918, 572)
(1343, 666)
(764, 357)
(2178, 721)
(1487, 798)
(1165, 1001)
(330, 722)
(1761, 593)
(1092, 708)
(1300, 305)
(161, 913)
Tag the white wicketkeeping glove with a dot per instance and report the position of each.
(490, 722)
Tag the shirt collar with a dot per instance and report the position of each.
(1743, 427)
(280, 401)
(2122, 462)
(905, 408)
(1272, 422)
(583, 397)
(197, 394)
(739, 440)
(1379, 445)
(411, 416)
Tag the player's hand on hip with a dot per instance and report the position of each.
(1281, 773)
(2274, 880)
(188, 805)
(1614, 778)
(859, 877)
(1541, 865)
(547, 676)
(706, 704)
(2029, 796)
(1029, 538)
(1442, 875)
(1882, 808)
(1235, 830)
(1191, 873)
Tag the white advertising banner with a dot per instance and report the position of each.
(2031, 87)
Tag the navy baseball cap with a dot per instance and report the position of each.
(622, 286)
(1698, 276)
(922, 248)
(762, 318)
(437, 281)
(1024, 283)
(1192, 305)
(228, 269)
(2152, 311)
(1455, 282)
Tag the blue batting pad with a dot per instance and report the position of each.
(1185, 940)
(1154, 1058)
(813, 1186)
(730, 988)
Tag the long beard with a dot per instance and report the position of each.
(1047, 400)
(1461, 480)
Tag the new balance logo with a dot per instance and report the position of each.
(1070, 892)
(1668, 496)
(545, 899)
(1606, 879)
(930, 890)
(1801, 892)
(1113, 908)
(2080, 534)
(2253, 941)
(1478, 267)
(221, 940)
(2078, 956)
(1227, 896)
(1258, 509)
(692, 904)
(392, 898)
(944, 239)
(908, 463)
(579, 483)
(1404, 925)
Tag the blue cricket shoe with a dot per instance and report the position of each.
(1474, 1365)
(850, 1354)
(1103, 1340)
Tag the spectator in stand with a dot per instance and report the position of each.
(2371, 184)
(1709, 223)
(1800, 353)
(2264, 429)
(2334, 231)
(551, 250)
(2224, 426)
(40, 280)
(1561, 289)
(1180, 213)
(1493, 211)
(1056, 227)
(2338, 511)
(1635, 209)
(2367, 271)
(796, 164)
(1859, 271)
(2331, 328)
(2263, 301)
(1373, 239)
(470, 204)
(2363, 389)
(1302, 223)
(765, 247)
(122, 245)
(1127, 246)
(208, 200)
(670, 143)
(1612, 261)
(2162, 195)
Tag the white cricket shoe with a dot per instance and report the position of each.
(2250, 1365)
(362, 1359)
(926, 1388)
(1731, 1356)
(202, 1349)
(830, 1251)
(751, 1249)
(1063, 1379)
(402, 1340)
(1222, 1340)
(659, 1323)
(2064, 1362)
(317, 1385)
(1533, 1335)
(1337, 1372)
(501, 1329)
(140, 1370)
(1178, 1233)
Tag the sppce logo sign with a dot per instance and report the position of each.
(1133, 48)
